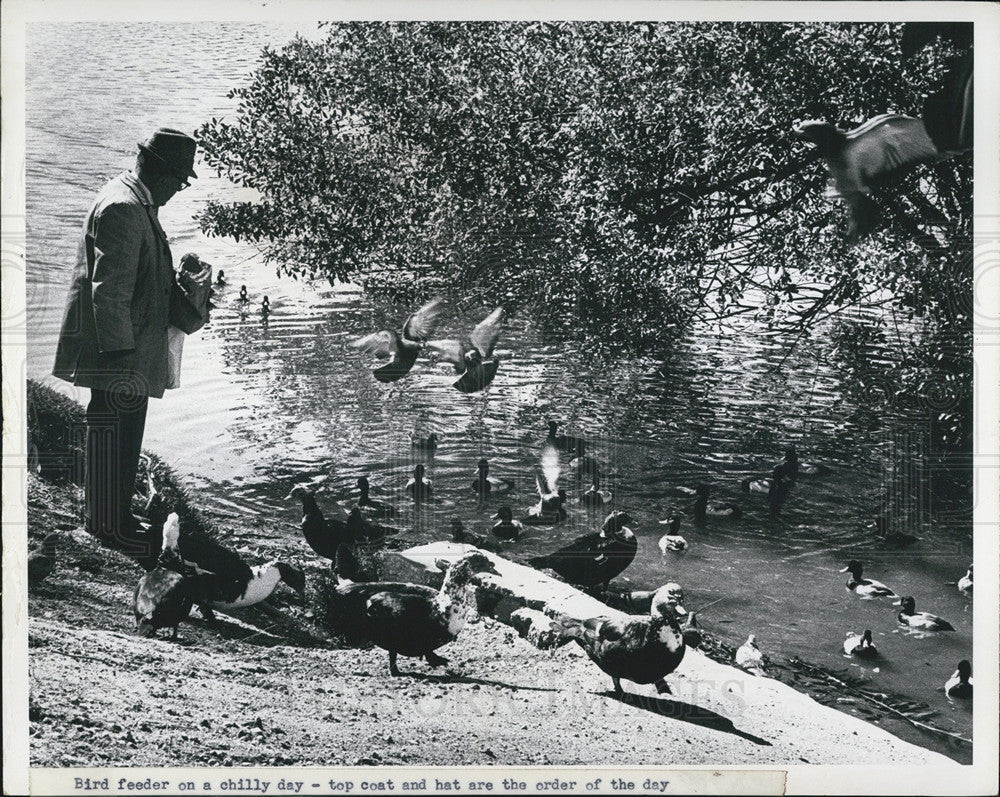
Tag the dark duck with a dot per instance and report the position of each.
(565, 443)
(483, 485)
(362, 531)
(703, 509)
(550, 508)
(369, 506)
(402, 348)
(42, 560)
(463, 537)
(409, 619)
(865, 587)
(164, 596)
(506, 528)
(322, 535)
(861, 159)
(920, 621)
(594, 558)
(860, 646)
(792, 467)
(640, 649)
(427, 444)
(419, 487)
(473, 356)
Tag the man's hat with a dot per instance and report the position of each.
(173, 149)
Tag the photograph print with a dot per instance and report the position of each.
(503, 394)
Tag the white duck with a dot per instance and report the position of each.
(749, 657)
(965, 582)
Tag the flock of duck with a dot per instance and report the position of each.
(414, 621)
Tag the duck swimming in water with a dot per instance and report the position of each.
(220, 278)
(565, 443)
(672, 541)
(921, 621)
(594, 558)
(402, 348)
(550, 508)
(860, 645)
(418, 487)
(594, 496)
(409, 619)
(370, 506)
(463, 537)
(473, 357)
(506, 528)
(265, 307)
(965, 582)
(244, 298)
(865, 587)
(643, 650)
(427, 444)
(960, 683)
(703, 509)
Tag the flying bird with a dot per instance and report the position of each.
(863, 158)
(402, 348)
(473, 356)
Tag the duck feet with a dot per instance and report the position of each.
(435, 660)
(662, 687)
(619, 692)
(393, 669)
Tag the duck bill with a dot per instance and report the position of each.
(897, 603)
(843, 570)
(680, 611)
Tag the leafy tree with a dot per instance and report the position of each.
(627, 178)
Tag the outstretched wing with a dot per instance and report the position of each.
(422, 323)
(484, 337)
(886, 144)
(548, 477)
(450, 350)
(381, 344)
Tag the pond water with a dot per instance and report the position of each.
(266, 405)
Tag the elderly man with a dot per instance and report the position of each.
(124, 298)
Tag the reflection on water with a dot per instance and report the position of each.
(267, 403)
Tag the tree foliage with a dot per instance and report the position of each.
(626, 177)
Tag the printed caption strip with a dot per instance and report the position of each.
(438, 781)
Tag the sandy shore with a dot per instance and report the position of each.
(256, 691)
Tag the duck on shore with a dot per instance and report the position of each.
(865, 587)
(749, 657)
(506, 528)
(42, 560)
(921, 621)
(594, 558)
(164, 596)
(643, 650)
(402, 348)
(409, 619)
(960, 683)
(860, 645)
(322, 535)
(264, 578)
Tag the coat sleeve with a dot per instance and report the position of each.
(116, 240)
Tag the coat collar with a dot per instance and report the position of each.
(142, 193)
